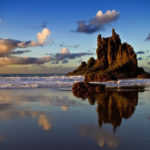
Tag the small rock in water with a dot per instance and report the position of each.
(83, 89)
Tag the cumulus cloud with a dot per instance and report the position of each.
(13, 60)
(8, 50)
(64, 51)
(65, 54)
(8, 45)
(42, 36)
(148, 37)
(98, 22)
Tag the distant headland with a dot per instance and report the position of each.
(115, 60)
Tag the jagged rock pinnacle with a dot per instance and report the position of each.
(99, 40)
(115, 60)
(113, 32)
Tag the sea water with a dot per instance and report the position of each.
(36, 113)
(58, 81)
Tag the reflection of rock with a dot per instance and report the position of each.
(115, 60)
(102, 137)
(113, 106)
(84, 89)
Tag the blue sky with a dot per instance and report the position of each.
(22, 20)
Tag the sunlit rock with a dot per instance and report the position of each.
(115, 60)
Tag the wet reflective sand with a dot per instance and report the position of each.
(44, 119)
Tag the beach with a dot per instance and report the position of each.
(53, 118)
(74, 75)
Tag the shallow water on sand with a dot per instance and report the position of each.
(44, 119)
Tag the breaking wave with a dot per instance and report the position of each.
(60, 82)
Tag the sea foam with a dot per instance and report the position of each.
(61, 82)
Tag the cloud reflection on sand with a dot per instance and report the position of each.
(64, 108)
(44, 121)
(102, 136)
(28, 103)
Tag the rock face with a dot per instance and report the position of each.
(115, 60)
(84, 89)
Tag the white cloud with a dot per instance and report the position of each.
(99, 13)
(98, 22)
(42, 36)
(8, 45)
(64, 51)
(101, 19)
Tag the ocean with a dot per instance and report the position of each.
(12, 81)
(40, 112)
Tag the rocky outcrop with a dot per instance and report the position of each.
(115, 60)
(84, 89)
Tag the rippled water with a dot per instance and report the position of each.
(43, 119)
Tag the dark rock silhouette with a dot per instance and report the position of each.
(84, 89)
(112, 105)
(115, 60)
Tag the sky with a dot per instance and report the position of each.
(54, 36)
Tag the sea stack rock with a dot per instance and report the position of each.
(115, 60)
